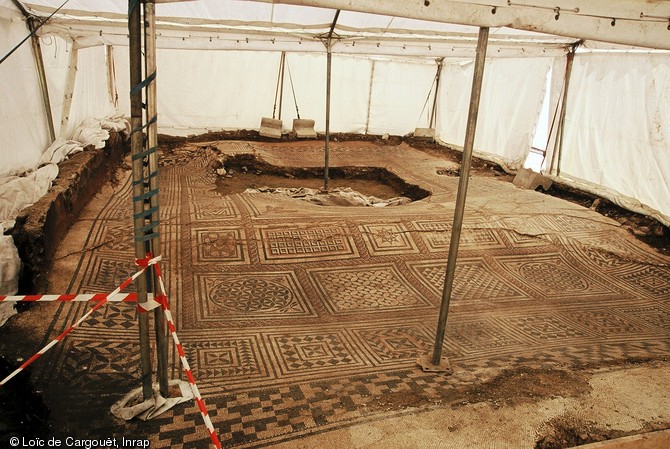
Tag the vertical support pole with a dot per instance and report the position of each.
(69, 91)
(329, 60)
(152, 144)
(281, 82)
(137, 147)
(42, 77)
(433, 112)
(329, 57)
(558, 145)
(111, 76)
(372, 77)
(436, 364)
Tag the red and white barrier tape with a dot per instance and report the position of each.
(143, 263)
(162, 299)
(93, 297)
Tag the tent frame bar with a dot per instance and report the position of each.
(329, 58)
(160, 328)
(33, 24)
(558, 144)
(436, 363)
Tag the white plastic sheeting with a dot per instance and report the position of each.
(10, 265)
(617, 132)
(24, 189)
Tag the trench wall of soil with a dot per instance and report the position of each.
(41, 227)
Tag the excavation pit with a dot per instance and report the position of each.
(347, 186)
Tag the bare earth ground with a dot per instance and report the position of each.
(303, 323)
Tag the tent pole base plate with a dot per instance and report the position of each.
(427, 365)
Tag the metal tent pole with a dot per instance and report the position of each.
(436, 363)
(69, 91)
(326, 151)
(437, 89)
(281, 82)
(367, 119)
(558, 145)
(42, 76)
(152, 144)
(137, 148)
(329, 58)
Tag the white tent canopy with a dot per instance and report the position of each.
(218, 64)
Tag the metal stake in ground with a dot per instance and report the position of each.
(436, 363)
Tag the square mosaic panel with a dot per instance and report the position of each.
(114, 315)
(308, 352)
(475, 281)
(652, 317)
(220, 244)
(366, 288)
(218, 208)
(394, 344)
(391, 238)
(230, 360)
(653, 280)
(473, 336)
(249, 296)
(92, 364)
(568, 223)
(118, 236)
(607, 322)
(545, 328)
(294, 244)
(107, 272)
(552, 276)
(437, 235)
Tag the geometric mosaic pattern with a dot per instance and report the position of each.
(309, 353)
(552, 276)
(220, 244)
(437, 235)
(474, 281)
(391, 238)
(297, 318)
(366, 288)
(261, 295)
(291, 243)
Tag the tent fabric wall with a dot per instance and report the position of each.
(91, 96)
(55, 54)
(617, 131)
(511, 98)
(200, 91)
(23, 125)
(350, 85)
(399, 91)
(241, 89)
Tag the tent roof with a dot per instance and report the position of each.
(392, 27)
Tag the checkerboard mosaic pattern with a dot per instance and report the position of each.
(297, 318)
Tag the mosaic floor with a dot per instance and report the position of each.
(298, 318)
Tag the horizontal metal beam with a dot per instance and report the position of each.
(635, 22)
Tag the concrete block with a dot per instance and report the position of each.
(270, 128)
(426, 134)
(304, 128)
